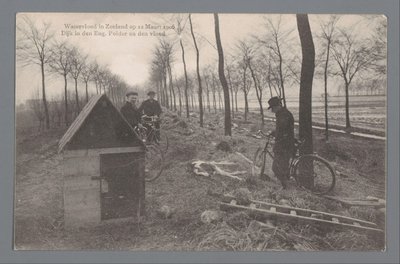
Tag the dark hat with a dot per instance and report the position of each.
(274, 101)
(131, 93)
(151, 92)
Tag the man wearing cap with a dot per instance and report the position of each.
(151, 107)
(130, 111)
(284, 140)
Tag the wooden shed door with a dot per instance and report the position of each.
(122, 185)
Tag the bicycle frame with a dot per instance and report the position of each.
(293, 160)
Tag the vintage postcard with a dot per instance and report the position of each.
(200, 132)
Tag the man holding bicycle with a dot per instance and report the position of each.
(150, 108)
(284, 140)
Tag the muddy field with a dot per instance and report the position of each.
(359, 164)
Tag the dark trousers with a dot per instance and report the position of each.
(280, 166)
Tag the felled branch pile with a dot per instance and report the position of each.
(224, 167)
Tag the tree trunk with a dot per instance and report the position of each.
(164, 75)
(326, 91)
(180, 100)
(87, 93)
(97, 89)
(171, 86)
(258, 93)
(231, 93)
(269, 80)
(46, 110)
(281, 77)
(236, 105)
(66, 101)
(76, 96)
(306, 79)
(246, 105)
(186, 79)
(208, 96)
(347, 105)
(198, 73)
(228, 128)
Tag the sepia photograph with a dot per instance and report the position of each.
(200, 132)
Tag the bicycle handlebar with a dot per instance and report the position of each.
(297, 142)
(150, 118)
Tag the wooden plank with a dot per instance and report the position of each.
(372, 201)
(298, 217)
(304, 212)
(96, 152)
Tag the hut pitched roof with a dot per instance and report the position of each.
(96, 127)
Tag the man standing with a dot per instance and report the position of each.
(284, 140)
(150, 107)
(130, 110)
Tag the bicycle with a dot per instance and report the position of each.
(150, 134)
(155, 148)
(324, 175)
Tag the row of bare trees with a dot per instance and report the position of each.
(270, 63)
(37, 46)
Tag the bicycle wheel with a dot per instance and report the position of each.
(154, 162)
(259, 161)
(324, 178)
(162, 140)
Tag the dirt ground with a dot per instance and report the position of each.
(359, 164)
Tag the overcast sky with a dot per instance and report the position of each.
(130, 56)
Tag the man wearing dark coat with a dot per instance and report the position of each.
(130, 111)
(151, 107)
(284, 140)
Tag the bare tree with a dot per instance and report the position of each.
(306, 79)
(352, 56)
(379, 46)
(77, 63)
(228, 129)
(167, 49)
(34, 49)
(60, 63)
(207, 78)
(235, 79)
(198, 72)
(178, 86)
(277, 37)
(86, 76)
(229, 69)
(327, 34)
(180, 31)
(250, 58)
(246, 82)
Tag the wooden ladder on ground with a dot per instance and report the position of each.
(287, 213)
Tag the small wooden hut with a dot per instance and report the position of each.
(103, 166)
